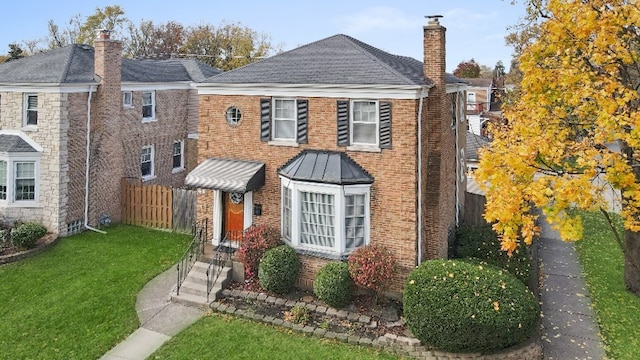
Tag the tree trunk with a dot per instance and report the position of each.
(632, 261)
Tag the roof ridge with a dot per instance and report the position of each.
(67, 65)
(365, 49)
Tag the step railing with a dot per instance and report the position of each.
(190, 256)
(221, 257)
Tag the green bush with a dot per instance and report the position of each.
(333, 284)
(482, 243)
(279, 269)
(26, 235)
(457, 306)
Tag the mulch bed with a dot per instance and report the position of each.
(385, 314)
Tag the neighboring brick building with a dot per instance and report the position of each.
(142, 116)
(338, 144)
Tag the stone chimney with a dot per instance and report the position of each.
(106, 155)
(438, 146)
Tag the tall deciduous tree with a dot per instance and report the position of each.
(467, 69)
(574, 129)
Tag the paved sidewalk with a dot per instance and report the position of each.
(160, 319)
(570, 330)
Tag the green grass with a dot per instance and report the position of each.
(617, 310)
(77, 300)
(226, 337)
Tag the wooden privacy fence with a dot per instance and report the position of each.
(474, 209)
(157, 206)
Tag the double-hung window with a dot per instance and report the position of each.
(364, 123)
(146, 162)
(284, 119)
(3, 180)
(25, 181)
(178, 155)
(30, 110)
(148, 106)
(127, 99)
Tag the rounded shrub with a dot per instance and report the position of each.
(333, 284)
(458, 306)
(257, 239)
(372, 267)
(279, 269)
(482, 243)
(26, 235)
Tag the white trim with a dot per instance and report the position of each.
(11, 163)
(127, 105)
(181, 167)
(192, 136)
(179, 85)
(217, 217)
(281, 142)
(294, 119)
(153, 106)
(247, 210)
(376, 106)
(48, 88)
(314, 90)
(25, 110)
(452, 88)
(152, 175)
(339, 192)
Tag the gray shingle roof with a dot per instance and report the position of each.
(329, 167)
(14, 143)
(74, 64)
(475, 143)
(339, 59)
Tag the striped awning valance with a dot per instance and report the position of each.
(227, 175)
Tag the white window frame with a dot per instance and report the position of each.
(153, 106)
(471, 105)
(352, 122)
(25, 117)
(277, 120)
(339, 192)
(127, 99)
(173, 153)
(11, 162)
(151, 160)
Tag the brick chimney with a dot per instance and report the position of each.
(107, 155)
(438, 144)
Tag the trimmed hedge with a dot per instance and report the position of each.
(457, 306)
(26, 235)
(279, 269)
(333, 284)
(481, 242)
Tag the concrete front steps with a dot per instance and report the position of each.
(193, 291)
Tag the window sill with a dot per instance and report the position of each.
(20, 204)
(30, 128)
(148, 178)
(364, 148)
(290, 143)
(128, 106)
(177, 170)
(329, 255)
(148, 120)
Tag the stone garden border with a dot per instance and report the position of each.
(408, 346)
(49, 241)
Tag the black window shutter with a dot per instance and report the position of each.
(385, 125)
(265, 119)
(343, 123)
(303, 120)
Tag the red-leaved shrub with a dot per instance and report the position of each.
(372, 267)
(257, 240)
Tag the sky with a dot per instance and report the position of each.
(475, 29)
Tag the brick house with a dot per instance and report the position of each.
(76, 120)
(339, 144)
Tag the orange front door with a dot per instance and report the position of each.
(233, 215)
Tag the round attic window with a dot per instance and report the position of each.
(233, 116)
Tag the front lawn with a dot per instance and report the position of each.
(617, 310)
(77, 300)
(226, 337)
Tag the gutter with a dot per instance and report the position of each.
(86, 170)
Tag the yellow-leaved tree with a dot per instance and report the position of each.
(573, 128)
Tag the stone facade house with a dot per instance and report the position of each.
(77, 120)
(338, 144)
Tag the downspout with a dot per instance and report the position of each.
(420, 175)
(86, 172)
(459, 162)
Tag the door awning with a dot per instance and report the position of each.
(227, 175)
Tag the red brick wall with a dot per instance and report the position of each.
(393, 194)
